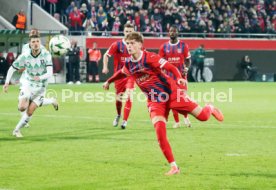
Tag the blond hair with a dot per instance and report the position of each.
(138, 37)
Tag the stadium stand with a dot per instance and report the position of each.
(154, 17)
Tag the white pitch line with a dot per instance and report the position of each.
(232, 124)
(235, 154)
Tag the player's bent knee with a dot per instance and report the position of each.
(22, 108)
(157, 119)
(196, 112)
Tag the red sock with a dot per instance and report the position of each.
(118, 107)
(175, 116)
(205, 113)
(160, 129)
(185, 115)
(127, 109)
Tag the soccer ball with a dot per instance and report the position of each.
(59, 45)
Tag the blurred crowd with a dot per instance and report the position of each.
(154, 17)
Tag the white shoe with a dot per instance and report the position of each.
(78, 83)
(116, 121)
(124, 124)
(176, 125)
(17, 134)
(70, 82)
(27, 125)
(187, 122)
(55, 104)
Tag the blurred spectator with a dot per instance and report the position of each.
(116, 26)
(91, 25)
(93, 12)
(202, 16)
(20, 20)
(111, 19)
(92, 65)
(137, 21)
(249, 71)
(146, 28)
(49, 3)
(73, 64)
(75, 18)
(70, 8)
(3, 65)
(84, 11)
(199, 55)
(57, 16)
(10, 58)
(102, 19)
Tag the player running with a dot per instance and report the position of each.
(126, 85)
(46, 101)
(163, 92)
(38, 69)
(177, 53)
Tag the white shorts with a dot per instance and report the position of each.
(35, 95)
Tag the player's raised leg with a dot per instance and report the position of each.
(50, 101)
(202, 114)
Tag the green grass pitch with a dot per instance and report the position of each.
(78, 148)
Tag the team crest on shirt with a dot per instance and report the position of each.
(179, 50)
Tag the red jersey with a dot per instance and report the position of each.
(119, 51)
(175, 54)
(148, 75)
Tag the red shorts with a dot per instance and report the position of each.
(181, 102)
(158, 109)
(123, 84)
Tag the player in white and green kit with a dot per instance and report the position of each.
(46, 101)
(38, 69)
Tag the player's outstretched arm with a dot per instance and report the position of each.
(8, 78)
(117, 76)
(171, 68)
(106, 85)
(105, 64)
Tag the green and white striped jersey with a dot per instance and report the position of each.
(34, 66)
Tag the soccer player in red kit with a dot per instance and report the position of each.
(177, 53)
(163, 92)
(119, 51)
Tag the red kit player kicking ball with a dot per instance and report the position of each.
(177, 53)
(163, 92)
(119, 51)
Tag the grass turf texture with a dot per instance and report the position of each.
(77, 147)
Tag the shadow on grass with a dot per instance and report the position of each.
(85, 134)
(265, 175)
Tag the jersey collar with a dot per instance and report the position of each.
(138, 58)
(36, 55)
(173, 44)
